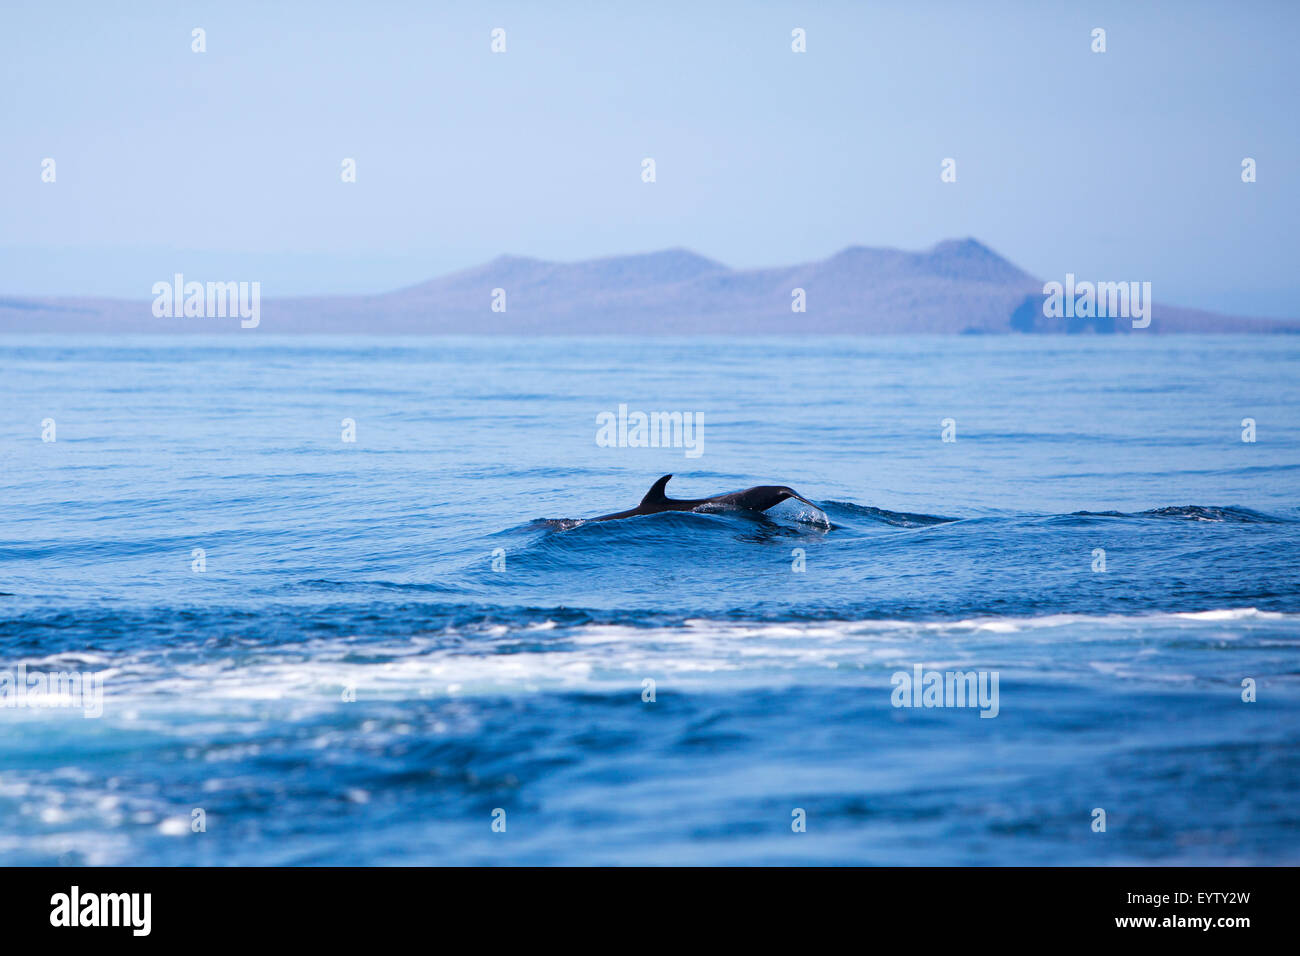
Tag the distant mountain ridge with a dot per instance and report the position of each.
(957, 286)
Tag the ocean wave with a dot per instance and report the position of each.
(558, 655)
(1214, 513)
(900, 519)
(851, 512)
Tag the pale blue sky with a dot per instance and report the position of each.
(1122, 165)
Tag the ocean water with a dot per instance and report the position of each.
(349, 680)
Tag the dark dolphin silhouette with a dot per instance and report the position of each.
(758, 498)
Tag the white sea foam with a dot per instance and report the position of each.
(698, 654)
(1234, 614)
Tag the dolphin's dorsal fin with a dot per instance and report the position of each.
(656, 492)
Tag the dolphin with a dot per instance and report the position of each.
(758, 498)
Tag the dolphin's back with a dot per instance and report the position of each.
(656, 500)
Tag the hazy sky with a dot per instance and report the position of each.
(226, 164)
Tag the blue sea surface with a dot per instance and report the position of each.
(397, 641)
